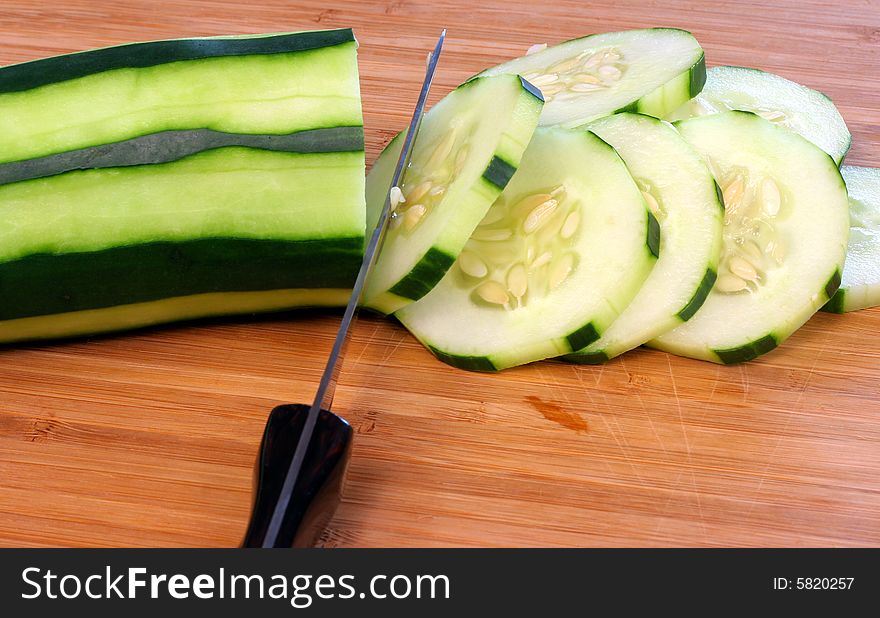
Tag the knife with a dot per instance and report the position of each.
(298, 488)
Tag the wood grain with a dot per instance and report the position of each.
(149, 438)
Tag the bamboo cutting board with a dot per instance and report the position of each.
(150, 438)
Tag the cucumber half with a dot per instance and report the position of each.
(860, 284)
(807, 112)
(682, 195)
(469, 146)
(552, 264)
(651, 71)
(785, 231)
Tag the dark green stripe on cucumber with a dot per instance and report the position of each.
(470, 363)
(747, 352)
(499, 172)
(699, 296)
(169, 146)
(653, 235)
(424, 275)
(45, 284)
(833, 284)
(837, 304)
(720, 195)
(588, 358)
(583, 336)
(28, 75)
(698, 76)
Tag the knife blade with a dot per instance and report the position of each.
(268, 536)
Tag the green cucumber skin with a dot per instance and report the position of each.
(426, 274)
(46, 284)
(499, 172)
(583, 336)
(37, 73)
(835, 295)
(652, 238)
(837, 304)
(747, 352)
(468, 363)
(699, 296)
(698, 76)
(170, 146)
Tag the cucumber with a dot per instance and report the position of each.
(268, 84)
(807, 112)
(469, 146)
(557, 257)
(683, 196)
(191, 220)
(785, 233)
(860, 283)
(651, 71)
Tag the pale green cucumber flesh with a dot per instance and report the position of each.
(675, 178)
(860, 281)
(651, 71)
(785, 196)
(468, 147)
(556, 259)
(807, 112)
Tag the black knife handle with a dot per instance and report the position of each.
(319, 487)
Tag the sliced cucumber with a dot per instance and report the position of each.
(860, 284)
(469, 146)
(651, 71)
(796, 107)
(683, 196)
(785, 232)
(555, 260)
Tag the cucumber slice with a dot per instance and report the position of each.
(785, 231)
(807, 112)
(555, 260)
(683, 197)
(860, 284)
(469, 146)
(651, 71)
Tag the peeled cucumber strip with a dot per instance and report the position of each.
(860, 284)
(274, 84)
(469, 146)
(683, 197)
(807, 112)
(651, 71)
(785, 233)
(553, 263)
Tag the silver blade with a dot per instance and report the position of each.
(327, 387)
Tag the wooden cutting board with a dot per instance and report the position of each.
(150, 438)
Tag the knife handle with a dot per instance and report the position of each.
(319, 487)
